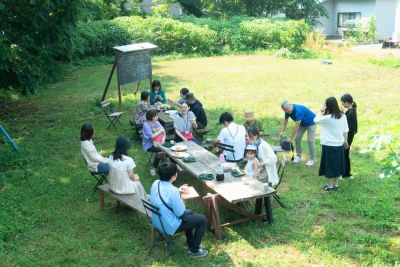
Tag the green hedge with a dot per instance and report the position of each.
(97, 38)
(192, 35)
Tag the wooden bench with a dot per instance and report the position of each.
(132, 201)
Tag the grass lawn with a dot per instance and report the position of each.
(49, 217)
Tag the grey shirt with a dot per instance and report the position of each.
(183, 123)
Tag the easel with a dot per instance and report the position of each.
(9, 138)
(133, 72)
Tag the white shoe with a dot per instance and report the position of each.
(296, 159)
(310, 162)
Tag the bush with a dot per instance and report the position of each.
(270, 34)
(98, 38)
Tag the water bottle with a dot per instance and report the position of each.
(221, 158)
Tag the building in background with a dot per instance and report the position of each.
(340, 12)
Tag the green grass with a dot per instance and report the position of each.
(390, 61)
(49, 218)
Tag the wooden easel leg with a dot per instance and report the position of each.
(108, 81)
(101, 200)
(136, 88)
(119, 95)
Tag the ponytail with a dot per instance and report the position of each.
(354, 105)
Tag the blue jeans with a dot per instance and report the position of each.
(103, 168)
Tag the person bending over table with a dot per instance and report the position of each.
(95, 162)
(265, 154)
(176, 218)
(183, 92)
(197, 108)
(234, 135)
(153, 136)
(304, 121)
(157, 93)
(184, 123)
(122, 178)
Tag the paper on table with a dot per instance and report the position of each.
(191, 193)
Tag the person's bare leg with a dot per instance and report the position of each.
(336, 181)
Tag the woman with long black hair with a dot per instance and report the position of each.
(351, 115)
(333, 138)
(122, 178)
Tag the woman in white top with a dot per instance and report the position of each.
(95, 162)
(234, 135)
(333, 137)
(265, 154)
(122, 179)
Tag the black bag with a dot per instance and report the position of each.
(285, 144)
(185, 214)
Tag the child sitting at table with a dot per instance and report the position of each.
(251, 120)
(252, 166)
(142, 108)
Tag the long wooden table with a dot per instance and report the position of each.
(229, 193)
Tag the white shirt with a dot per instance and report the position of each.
(234, 135)
(267, 156)
(92, 157)
(332, 130)
(248, 169)
(120, 183)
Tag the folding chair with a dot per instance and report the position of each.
(112, 116)
(100, 177)
(281, 172)
(138, 128)
(224, 147)
(166, 238)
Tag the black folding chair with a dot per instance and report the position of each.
(281, 172)
(138, 128)
(100, 177)
(166, 238)
(112, 116)
(224, 147)
(150, 155)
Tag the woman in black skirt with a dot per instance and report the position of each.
(333, 137)
(351, 115)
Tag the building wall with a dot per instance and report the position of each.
(174, 9)
(385, 17)
(326, 23)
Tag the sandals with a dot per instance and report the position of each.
(328, 188)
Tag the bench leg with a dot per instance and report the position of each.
(101, 199)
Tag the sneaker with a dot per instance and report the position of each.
(200, 253)
(328, 188)
(310, 162)
(153, 172)
(296, 159)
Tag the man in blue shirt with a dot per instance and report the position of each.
(168, 199)
(304, 121)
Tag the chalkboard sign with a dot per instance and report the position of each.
(132, 67)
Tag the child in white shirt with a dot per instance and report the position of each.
(252, 166)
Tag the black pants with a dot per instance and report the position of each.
(195, 222)
(156, 159)
(347, 172)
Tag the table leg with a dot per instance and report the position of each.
(215, 215)
(268, 209)
(259, 202)
(207, 210)
(101, 199)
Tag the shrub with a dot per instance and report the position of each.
(270, 34)
(170, 35)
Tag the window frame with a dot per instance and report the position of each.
(356, 14)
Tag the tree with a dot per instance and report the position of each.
(309, 10)
(36, 36)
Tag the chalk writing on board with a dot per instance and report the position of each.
(133, 67)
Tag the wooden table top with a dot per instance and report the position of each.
(233, 189)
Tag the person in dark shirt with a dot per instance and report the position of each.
(197, 108)
(351, 115)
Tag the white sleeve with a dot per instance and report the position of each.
(267, 155)
(130, 164)
(221, 136)
(345, 124)
(192, 116)
(92, 153)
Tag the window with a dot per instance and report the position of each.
(343, 17)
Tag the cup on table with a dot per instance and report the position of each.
(172, 142)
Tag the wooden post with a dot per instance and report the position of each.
(207, 210)
(137, 87)
(215, 215)
(109, 81)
